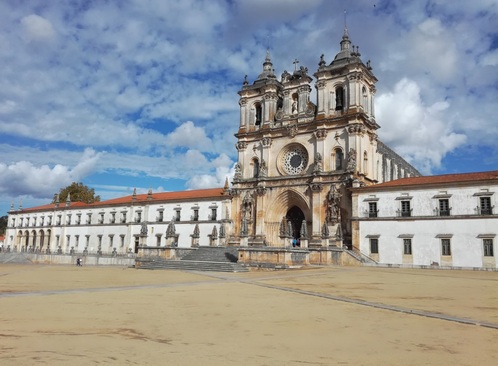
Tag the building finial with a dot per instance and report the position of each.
(345, 23)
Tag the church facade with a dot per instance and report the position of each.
(297, 159)
(296, 163)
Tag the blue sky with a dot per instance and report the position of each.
(124, 94)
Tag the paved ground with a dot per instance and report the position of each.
(60, 315)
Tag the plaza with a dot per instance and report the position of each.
(61, 315)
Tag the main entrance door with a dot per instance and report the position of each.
(296, 217)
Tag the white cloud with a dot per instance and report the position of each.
(417, 131)
(37, 28)
(190, 136)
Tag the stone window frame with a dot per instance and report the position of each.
(488, 248)
(445, 240)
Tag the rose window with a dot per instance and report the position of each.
(295, 160)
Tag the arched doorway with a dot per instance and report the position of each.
(296, 217)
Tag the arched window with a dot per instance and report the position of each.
(259, 114)
(339, 99)
(339, 159)
(255, 163)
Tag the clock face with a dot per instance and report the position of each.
(295, 160)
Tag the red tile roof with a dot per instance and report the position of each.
(139, 198)
(437, 180)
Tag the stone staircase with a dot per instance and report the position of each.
(215, 259)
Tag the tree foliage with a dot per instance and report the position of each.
(3, 224)
(79, 193)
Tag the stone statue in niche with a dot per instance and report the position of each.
(351, 167)
(333, 205)
(318, 168)
(247, 207)
(238, 171)
(143, 229)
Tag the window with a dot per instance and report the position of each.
(372, 209)
(123, 217)
(486, 208)
(59, 218)
(158, 240)
(374, 245)
(446, 246)
(69, 219)
(259, 114)
(78, 219)
(101, 220)
(138, 217)
(113, 218)
(365, 162)
(339, 99)
(255, 172)
(195, 217)
(213, 214)
(122, 237)
(177, 215)
(488, 247)
(444, 207)
(89, 218)
(77, 241)
(407, 246)
(339, 159)
(161, 216)
(405, 209)
(111, 239)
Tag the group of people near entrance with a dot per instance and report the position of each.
(296, 242)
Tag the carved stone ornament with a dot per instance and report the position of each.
(241, 145)
(292, 130)
(320, 134)
(266, 141)
(310, 109)
(325, 230)
(171, 231)
(279, 115)
(318, 166)
(261, 191)
(316, 187)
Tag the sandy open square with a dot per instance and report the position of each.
(61, 315)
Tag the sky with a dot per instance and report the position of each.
(124, 94)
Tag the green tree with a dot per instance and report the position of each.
(79, 193)
(3, 224)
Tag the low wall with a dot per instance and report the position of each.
(275, 257)
(89, 260)
(164, 252)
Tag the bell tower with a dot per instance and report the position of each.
(296, 160)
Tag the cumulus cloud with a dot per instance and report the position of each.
(224, 170)
(42, 181)
(190, 136)
(416, 130)
(37, 28)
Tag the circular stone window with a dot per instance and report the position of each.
(294, 159)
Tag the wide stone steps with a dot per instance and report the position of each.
(214, 259)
